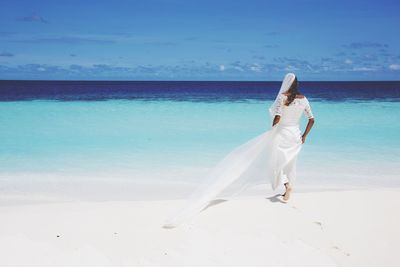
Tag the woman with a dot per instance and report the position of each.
(271, 155)
(287, 110)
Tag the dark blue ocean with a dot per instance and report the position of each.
(191, 90)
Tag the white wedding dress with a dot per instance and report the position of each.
(269, 157)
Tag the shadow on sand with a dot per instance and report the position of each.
(214, 202)
(276, 199)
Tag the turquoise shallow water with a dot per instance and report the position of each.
(352, 144)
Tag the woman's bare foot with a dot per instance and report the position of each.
(286, 196)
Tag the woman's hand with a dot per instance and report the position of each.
(308, 128)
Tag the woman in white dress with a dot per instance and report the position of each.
(270, 156)
(287, 111)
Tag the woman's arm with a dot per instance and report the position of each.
(307, 130)
(278, 109)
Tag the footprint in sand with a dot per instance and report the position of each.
(337, 248)
(319, 223)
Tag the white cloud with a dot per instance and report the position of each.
(255, 67)
(221, 67)
(291, 68)
(348, 61)
(363, 69)
(394, 67)
(238, 68)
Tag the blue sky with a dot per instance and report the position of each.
(200, 40)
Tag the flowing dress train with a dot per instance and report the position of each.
(268, 157)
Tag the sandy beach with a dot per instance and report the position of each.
(331, 228)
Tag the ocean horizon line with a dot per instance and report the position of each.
(200, 81)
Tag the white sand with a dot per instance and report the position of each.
(332, 228)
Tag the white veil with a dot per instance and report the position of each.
(287, 82)
(244, 166)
